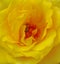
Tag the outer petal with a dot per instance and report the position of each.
(4, 4)
(53, 57)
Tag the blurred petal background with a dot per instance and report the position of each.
(4, 4)
(52, 58)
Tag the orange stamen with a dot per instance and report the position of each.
(29, 29)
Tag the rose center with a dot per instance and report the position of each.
(29, 33)
(31, 30)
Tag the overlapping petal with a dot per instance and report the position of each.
(13, 21)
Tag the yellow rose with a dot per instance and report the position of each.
(29, 30)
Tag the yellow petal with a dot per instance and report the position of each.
(5, 57)
(53, 56)
(56, 17)
(46, 42)
(4, 4)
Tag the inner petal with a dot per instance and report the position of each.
(31, 33)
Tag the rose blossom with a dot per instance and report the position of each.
(29, 29)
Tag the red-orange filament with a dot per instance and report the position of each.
(29, 29)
